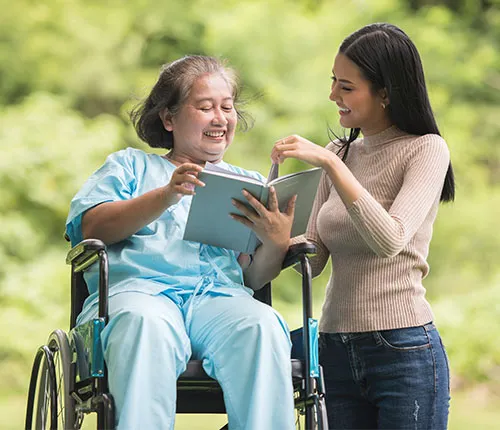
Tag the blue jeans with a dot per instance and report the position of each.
(388, 379)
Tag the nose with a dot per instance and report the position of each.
(334, 96)
(219, 117)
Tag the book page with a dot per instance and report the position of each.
(273, 173)
(291, 175)
(213, 168)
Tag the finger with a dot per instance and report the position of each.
(189, 166)
(245, 210)
(276, 156)
(273, 200)
(290, 209)
(189, 177)
(282, 141)
(184, 190)
(243, 220)
(256, 204)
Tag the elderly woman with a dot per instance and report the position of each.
(171, 299)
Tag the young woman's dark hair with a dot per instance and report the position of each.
(170, 92)
(388, 59)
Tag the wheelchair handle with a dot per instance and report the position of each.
(295, 252)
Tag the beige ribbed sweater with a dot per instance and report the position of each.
(380, 244)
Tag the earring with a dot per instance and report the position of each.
(383, 105)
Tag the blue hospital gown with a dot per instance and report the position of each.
(155, 259)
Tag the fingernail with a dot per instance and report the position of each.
(245, 192)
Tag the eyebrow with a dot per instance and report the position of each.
(209, 99)
(344, 81)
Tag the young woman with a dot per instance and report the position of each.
(384, 362)
(171, 299)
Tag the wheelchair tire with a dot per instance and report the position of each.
(321, 415)
(315, 416)
(49, 400)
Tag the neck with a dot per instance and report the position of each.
(179, 159)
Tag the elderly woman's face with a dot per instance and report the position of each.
(205, 124)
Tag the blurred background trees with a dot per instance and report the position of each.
(70, 70)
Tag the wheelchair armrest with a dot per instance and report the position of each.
(81, 257)
(295, 251)
(84, 254)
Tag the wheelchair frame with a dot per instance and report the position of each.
(68, 378)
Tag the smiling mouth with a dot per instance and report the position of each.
(215, 134)
(344, 110)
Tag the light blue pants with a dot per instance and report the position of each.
(244, 345)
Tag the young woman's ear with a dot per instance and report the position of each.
(384, 99)
(166, 119)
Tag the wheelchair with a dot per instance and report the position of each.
(68, 378)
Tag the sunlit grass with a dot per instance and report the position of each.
(475, 408)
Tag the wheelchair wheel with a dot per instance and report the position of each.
(312, 416)
(319, 419)
(49, 401)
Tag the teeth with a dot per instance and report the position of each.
(344, 110)
(214, 133)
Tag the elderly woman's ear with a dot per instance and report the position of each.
(166, 119)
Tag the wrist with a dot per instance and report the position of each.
(328, 161)
(166, 197)
(331, 164)
(278, 249)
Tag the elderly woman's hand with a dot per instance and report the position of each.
(272, 227)
(183, 182)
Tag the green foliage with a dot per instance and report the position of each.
(470, 324)
(70, 71)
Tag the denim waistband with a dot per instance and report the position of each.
(346, 337)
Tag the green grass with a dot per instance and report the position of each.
(478, 407)
(475, 408)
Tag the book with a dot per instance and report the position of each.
(209, 221)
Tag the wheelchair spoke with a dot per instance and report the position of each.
(65, 407)
(43, 398)
(60, 387)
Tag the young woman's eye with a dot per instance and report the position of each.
(346, 88)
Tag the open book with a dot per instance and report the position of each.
(209, 221)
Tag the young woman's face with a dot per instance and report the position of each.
(359, 106)
(205, 124)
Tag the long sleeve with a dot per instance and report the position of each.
(388, 232)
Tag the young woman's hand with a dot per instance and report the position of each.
(183, 182)
(273, 228)
(295, 146)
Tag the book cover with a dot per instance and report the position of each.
(209, 221)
